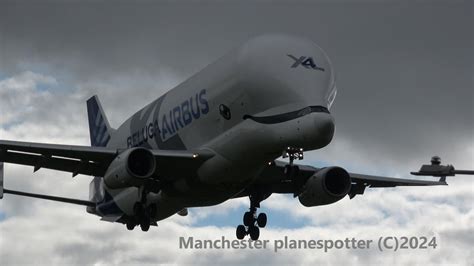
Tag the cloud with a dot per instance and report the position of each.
(65, 235)
(405, 94)
(18, 93)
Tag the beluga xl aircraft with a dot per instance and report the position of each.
(213, 138)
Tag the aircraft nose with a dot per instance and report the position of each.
(325, 128)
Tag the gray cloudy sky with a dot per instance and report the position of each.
(405, 79)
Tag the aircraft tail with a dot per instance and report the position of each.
(99, 127)
(100, 134)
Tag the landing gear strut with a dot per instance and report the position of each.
(252, 221)
(291, 170)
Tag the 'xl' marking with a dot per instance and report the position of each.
(305, 61)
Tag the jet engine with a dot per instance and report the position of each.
(326, 186)
(130, 168)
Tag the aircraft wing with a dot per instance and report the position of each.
(276, 180)
(360, 182)
(383, 181)
(88, 160)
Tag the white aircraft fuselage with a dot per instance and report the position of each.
(272, 92)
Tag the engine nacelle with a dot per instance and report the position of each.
(326, 186)
(130, 168)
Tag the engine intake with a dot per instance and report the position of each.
(130, 168)
(326, 186)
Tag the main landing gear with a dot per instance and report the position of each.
(252, 221)
(142, 213)
(142, 216)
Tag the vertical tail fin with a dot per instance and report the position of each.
(100, 134)
(99, 127)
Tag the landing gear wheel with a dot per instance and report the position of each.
(130, 225)
(262, 220)
(145, 226)
(240, 232)
(252, 221)
(248, 219)
(254, 232)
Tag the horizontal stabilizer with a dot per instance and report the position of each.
(53, 198)
(111, 218)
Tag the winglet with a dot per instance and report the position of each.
(1, 180)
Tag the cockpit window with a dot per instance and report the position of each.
(331, 97)
(332, 92)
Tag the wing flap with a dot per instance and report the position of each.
(67, 158)
(55, 163)
(68, 151)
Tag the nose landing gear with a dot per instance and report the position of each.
(291, 170)
(293, 153)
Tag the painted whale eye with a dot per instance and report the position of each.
(225, 111)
